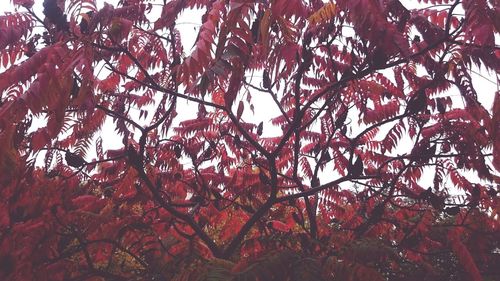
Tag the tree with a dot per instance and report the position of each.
(369, 169)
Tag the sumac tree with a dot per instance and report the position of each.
(378, 163)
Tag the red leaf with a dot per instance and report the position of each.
(464, 256)
(241, 106)
(40, 139)
(280, 226)
(24, 3)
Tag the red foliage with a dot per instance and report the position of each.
(367, 170)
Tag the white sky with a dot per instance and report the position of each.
(189, 22)
(188, 25)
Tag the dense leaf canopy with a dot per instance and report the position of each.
(293, 140)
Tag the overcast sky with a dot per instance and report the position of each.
(188, 25)
(485, 83)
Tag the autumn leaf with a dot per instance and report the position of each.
(260, 127)
(126, 154)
